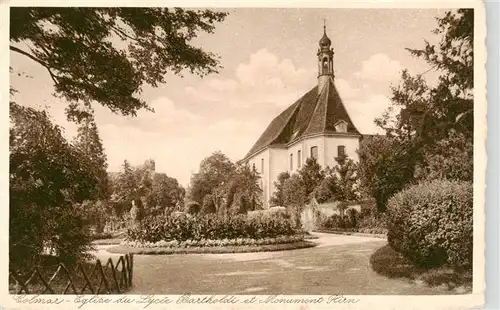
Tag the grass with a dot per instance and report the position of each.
(389, 263)
(212, 250)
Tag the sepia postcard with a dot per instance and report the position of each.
(243, 155)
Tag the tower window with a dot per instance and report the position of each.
(314, 152)
(253, 166)
(291, 162)
(298, 159)
(341, 150)
(262, 165)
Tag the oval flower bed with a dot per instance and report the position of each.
(239, 245)
(210, 234)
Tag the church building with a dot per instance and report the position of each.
(317, 125)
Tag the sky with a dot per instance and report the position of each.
(269, 61)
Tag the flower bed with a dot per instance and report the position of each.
(198, 228)
(212, 249)
(213, 242)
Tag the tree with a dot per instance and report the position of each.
(244, 193)
(428, 113)
(295, 195)
(89, 145)
(340, 182)
(166, 195)
(106, 55)
(277, 198)
(433, 130)
(47, 180)
(311, 175)
(451, 159)
(214, 171)
(208, 206)
(385, 168)
(431, 115)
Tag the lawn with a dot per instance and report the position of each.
(388, 262)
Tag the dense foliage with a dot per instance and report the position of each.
(431, 223)
(311, 176)
(386, 167)
(149, 192)
(368, 220)
(48, 177)
(278, 199)
(429, 128)
(213, 172)
(106, 55)
(210, 227)
(340, 182)
(225, 188)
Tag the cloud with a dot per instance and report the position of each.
(345, 89)
(167, 117)
(262, 80)
(379, 67)
(179, 155)
(363, 112)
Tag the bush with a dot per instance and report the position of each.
(371, 219)
(208, 205)
(431, 223)
(193, 208)
(210, 227)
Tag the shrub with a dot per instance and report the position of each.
(352, 218)
(208, 205)
(371, 219)
(431, 223)
(193, 208)
(211, 227)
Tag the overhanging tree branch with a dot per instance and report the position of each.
(20, 51)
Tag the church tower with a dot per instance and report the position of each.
(325, 60)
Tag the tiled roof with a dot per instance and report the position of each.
(312, 114)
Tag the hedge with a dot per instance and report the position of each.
(431, 223)
(210, 227)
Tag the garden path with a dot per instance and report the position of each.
(338, 265)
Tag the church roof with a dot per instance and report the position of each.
(314, 113)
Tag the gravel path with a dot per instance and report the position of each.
(338, 265)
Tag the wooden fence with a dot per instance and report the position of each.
(93, 278)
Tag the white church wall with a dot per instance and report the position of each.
(278, 164)
(305, 152)
(331, 151)
(261, 162)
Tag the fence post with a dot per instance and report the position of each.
(131, 267)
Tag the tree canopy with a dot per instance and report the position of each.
(429, 112)
(105, 55)
(278, 199)
(48, 177)
(214, 171)
(432, 134)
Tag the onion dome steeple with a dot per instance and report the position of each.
(325, 60)
(325, 41)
